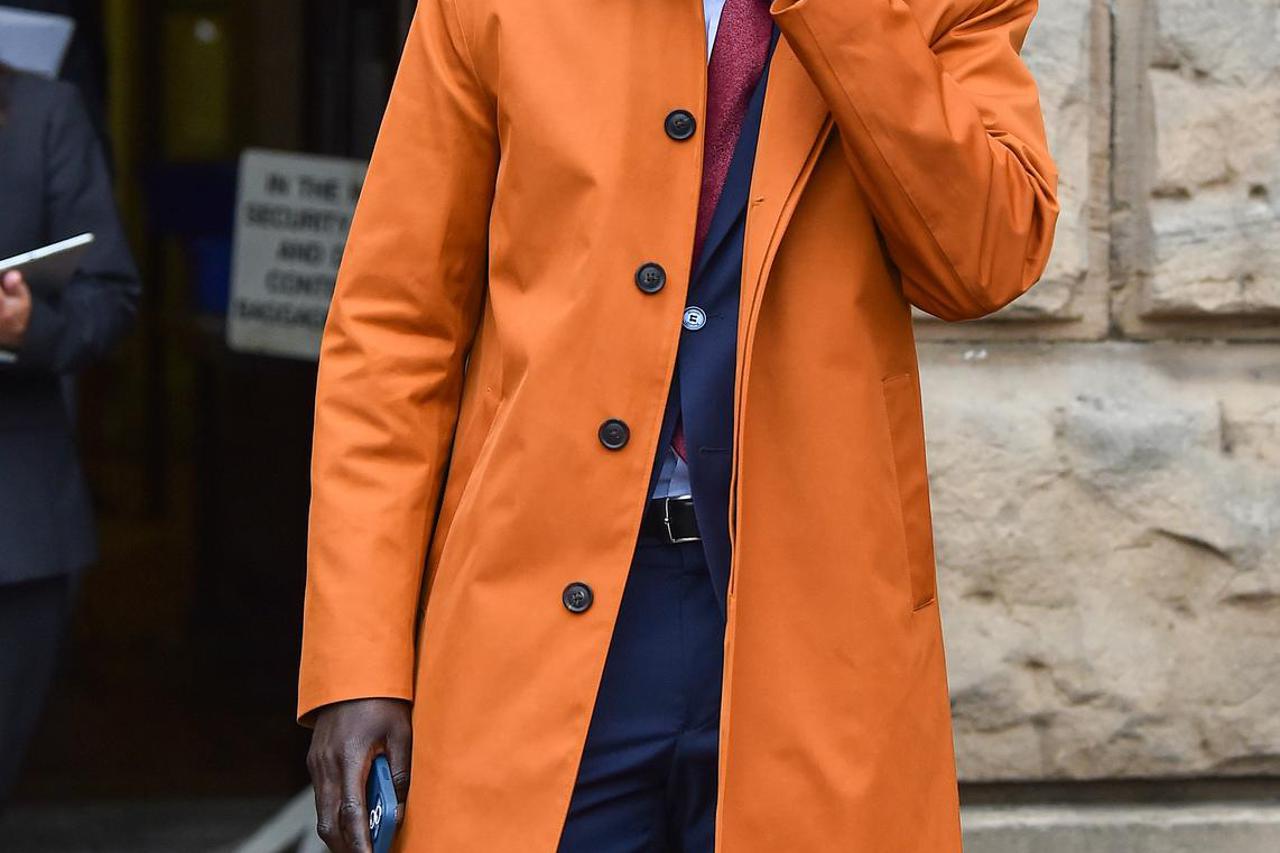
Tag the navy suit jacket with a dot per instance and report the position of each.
(54, 184)
(703, 385)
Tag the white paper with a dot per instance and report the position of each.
(34, 41)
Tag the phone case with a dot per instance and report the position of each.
(380, 796)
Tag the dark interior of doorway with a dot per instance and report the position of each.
(179, 675)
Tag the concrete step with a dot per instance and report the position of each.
(1174, 828)
(133, 826)
(204, 826)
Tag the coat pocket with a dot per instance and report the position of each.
(906, 433)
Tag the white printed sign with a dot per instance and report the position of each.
(293, 212)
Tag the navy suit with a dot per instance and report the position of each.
(648, 776)
(703, 386)
(54, 184)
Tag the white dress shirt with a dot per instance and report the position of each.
(711, 10)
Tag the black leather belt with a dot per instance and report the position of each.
(670, 520)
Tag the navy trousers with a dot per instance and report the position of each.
(33, 618)
(647, 781)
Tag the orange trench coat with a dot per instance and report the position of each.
(486, 323)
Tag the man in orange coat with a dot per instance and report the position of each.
(620, 532)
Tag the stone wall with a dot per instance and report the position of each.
(1105, 453)
(1108, 522)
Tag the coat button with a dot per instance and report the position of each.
(680, 125)
(651, 277)
(614, 434)
(694, 318)
(577, 598)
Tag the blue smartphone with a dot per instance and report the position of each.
(380, 798)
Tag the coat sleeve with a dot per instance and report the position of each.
(404, 314)
(940, 120)
(99, 304)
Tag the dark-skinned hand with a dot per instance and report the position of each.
(348, 736)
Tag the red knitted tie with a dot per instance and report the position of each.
(737, 61)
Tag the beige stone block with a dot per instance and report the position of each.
(1108, 534)
(1198, 168)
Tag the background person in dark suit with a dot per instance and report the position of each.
(54, 184)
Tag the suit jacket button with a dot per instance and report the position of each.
(694, 318)
(651, 277)
(577, 598)
(680, 125)
(614, 434)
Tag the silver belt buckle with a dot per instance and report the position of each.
(666, 520)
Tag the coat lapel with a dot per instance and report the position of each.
(795, 123)
(794, 127)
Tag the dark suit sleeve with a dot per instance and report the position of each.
(99, 304)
